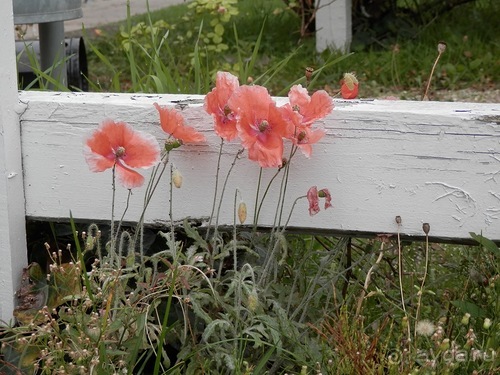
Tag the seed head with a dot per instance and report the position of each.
(426, 228)
(441, 47)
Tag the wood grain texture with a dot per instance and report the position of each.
(12, 220)
(431, 162)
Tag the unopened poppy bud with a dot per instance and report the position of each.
(309, 73)
(350, 80)
(170, 145)
(242, 212)
(445, 344)
(253, 301)
(487, 323)
(349, 88)
(177, 178)
(465, 319)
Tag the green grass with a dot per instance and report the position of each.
(470, 61)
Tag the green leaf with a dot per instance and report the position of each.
(486, 243)
(468, 307)
(219, 29)
(194, 235)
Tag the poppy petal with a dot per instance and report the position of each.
(129, 178)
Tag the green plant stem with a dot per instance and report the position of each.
(256, 205)
(368, 278)
(150, 189)
(283, 187)
(421, 291)
(236, 157)
(257, 212)
(426, 92)
(164, 323)
(214, 201)
(112, 229)
(400, 277)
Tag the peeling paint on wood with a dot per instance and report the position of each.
(13, 253)
(429, 162)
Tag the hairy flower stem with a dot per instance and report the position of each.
(257, 212)
(284, 184)
(257, 206)
(124, 212)
(214, 201)
(112, 223)
(369, 277)
(291, 210)
(236, 157)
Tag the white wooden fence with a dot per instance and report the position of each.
(423, 161)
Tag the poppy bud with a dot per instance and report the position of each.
(349, 88)
(177, 178)
(465, 319)
(242, 212)
(487, 323)
(170, 145)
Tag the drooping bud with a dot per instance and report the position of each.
(242, 212)
(177, 178)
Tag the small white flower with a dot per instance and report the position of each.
(425, 328)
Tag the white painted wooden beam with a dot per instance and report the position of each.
(431, 162)
(333, 25)
(12, 221)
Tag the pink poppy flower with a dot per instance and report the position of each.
(216, 105)
(304, 136)
(261, 126)
(313, 196)
(312, 108)
(349, 86)
(324, 193)
(118, 144)
(172, 122)
(302, 111)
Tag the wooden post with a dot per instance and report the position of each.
(333, 25)
(12, 214)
